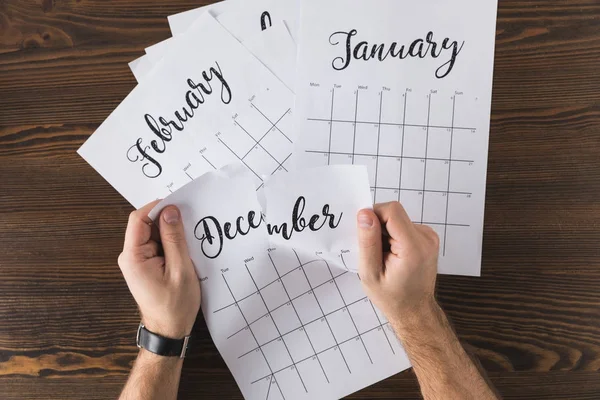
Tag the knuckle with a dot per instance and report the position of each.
(121, 260)
(436, 239)
(132, 216)
(432, 236)
(397, 208)
(427, 232)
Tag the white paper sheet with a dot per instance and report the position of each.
(186, 19)
(288, 324)
(288, 191)
(273, 46)
(140, 67)
(243, 114)
(276, 49)
(245, 18)
(419, 122)
(251, 17)
(157, 51)
(179, 23)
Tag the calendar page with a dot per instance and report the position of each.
(405, 89)
(290, 323)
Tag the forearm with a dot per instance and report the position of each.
(442, 366)
(153, 377)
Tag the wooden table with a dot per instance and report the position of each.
(67, 321)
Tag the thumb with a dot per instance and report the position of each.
(172, 236)
(370, 252)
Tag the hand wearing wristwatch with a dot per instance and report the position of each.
(161, 345)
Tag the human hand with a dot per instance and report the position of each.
(159, 272)
(399, 274)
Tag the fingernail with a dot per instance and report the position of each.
(171, 216)
(365, 221)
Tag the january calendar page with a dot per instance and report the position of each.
(405, 89)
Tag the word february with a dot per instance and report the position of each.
(163, 129)
(212, 234)
(420, 48)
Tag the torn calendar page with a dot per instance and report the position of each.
(288, 324)
(405, 91)
(196, 111)
(350, 184)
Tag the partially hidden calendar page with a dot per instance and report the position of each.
(206, 104)
(405, 89)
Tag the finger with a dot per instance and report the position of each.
(370, 253)
(395, 220)
(172, 236)
(429, 233)
(149, 250)
(139, 227)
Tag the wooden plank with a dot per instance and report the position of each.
(68, 321)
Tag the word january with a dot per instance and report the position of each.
(163, 128)
(420, 48)
(212, 234)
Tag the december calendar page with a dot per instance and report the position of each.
(405, 89)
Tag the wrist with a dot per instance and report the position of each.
(168, 330)
(146, 357)
(418, 319)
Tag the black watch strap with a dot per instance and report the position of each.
(160, 345)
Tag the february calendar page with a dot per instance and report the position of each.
(408, 94)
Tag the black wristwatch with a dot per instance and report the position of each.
(160, 345)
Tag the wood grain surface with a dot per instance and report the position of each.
(67, 320)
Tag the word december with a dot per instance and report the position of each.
(212, 234)
(163, 128)
(418, 48)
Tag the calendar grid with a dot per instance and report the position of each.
(257, 143)
(349, 313)
(341, 153)
(254, 336)
(390, 124)
(277, 328)
(323, 317)
(402, 146)
(354, 138)
(371, 153)
(299, 320)
(331, 125)
(426, 151)
(378, 143)
(209, 163)
(274, 124)
(449, 173)
(321, 308)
